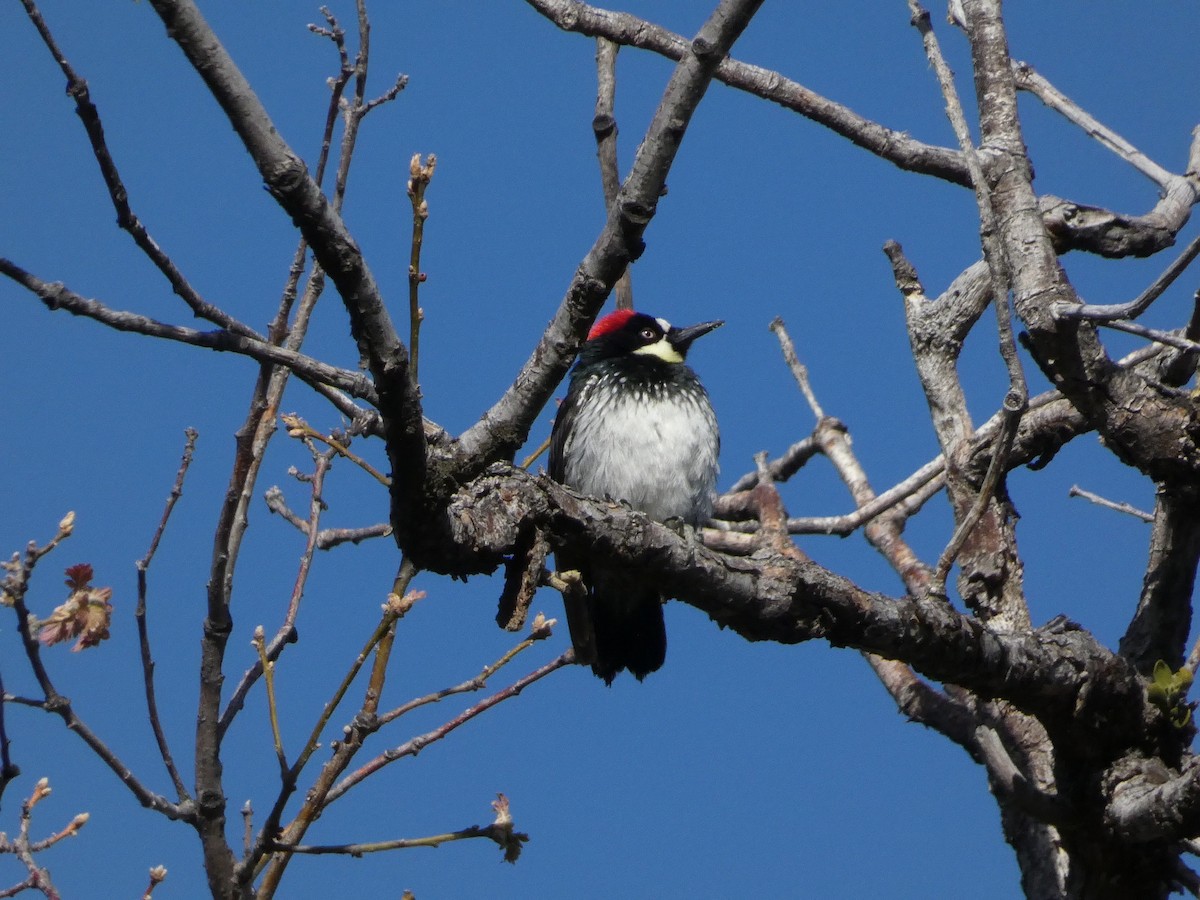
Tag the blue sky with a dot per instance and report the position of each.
(737, 770)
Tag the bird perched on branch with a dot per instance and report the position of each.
(636, 426)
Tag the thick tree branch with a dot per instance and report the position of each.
(285, 176)
(895, 146)
(1163, 620)
(1075, 226)
(505, 426)
(1149, 802)
(995, 539)
(1145, 428)
(604, 126)
(772, 597)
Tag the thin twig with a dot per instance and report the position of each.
(1161, 337)
(433, 840)
(540, 629)
(1099, 312)
(1077, 491)
(532, 457)
(1028, 79)
(417, 744)
(604, 127)
(365, 723)
(501, 831)
(268, 670)
(298, 428)
(328, 538)
(1017, 399)
(77, 89)
(286, 633)
(782, 468)
(419, 177)
(143, 566)
(799, 370)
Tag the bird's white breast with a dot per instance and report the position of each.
(658, 454)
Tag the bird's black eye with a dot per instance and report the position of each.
(649, 334)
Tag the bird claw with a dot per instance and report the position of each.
(677, 525)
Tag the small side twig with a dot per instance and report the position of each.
(1099, 312)
(419, 177)
(417, 744)
(1168, 338)
(532, 457)
(1077, 491)
(501, 831)
(143, 566)
(788, 464)
(268, 670)
(286, 633)
(328, 538)
(1028, 79)
(799, 370)
(298, 428)
(157, 876)
(604, 126)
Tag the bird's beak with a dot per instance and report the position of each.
(681, 338)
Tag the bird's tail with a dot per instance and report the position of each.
(629, 630)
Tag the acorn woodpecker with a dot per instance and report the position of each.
(636, 426)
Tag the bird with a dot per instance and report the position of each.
(637, 426)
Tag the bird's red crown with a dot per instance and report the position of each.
(614, 321)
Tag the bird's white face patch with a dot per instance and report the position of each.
(662, 347)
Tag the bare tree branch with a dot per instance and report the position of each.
(505, 426)
(1016, 401)
(1027, 79)
(604, 126)
(1149, 802)
(1077, 491)
(1160, 626)
(285, 177)
(1075, 226)
(1137, 306)
(895, 146)
(77, 88)
(1157, 438)
(143, 566)
(55, 295)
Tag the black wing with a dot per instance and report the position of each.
(564, 424)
